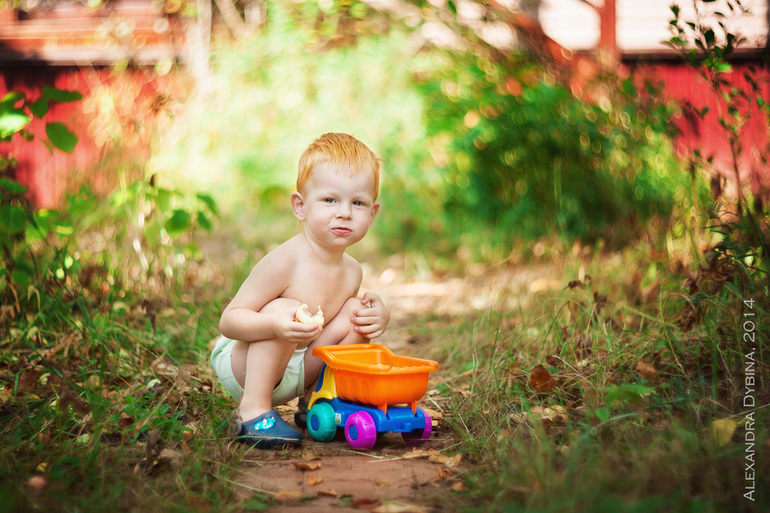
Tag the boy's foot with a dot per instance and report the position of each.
(300, 418)
(266, 431)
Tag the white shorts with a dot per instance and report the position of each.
(292, 384)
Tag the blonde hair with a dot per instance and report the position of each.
(342, 150)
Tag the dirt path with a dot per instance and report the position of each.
(392, 477)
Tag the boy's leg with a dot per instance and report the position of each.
(337, 331)
(259, 366)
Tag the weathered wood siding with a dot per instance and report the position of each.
(72, 47)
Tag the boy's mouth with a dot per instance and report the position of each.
(341, 230)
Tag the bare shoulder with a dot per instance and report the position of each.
(281, 258)
(353, 272)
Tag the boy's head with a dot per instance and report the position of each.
(341, 150)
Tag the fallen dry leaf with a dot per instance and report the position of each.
(555, 413)
(383, 482)
(310, 456)
(442, 474)
(457, 486)
(398, 508)
(285, 495)
(540, 379)
(314, 480)
(433, 414)
(315, 465)
(327, 493)
(419, 453)
(722, 430)
(647, 371)
(70, 397)
(169, 456)
(452, 461)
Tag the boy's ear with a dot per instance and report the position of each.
(298, 205)
(375, 209)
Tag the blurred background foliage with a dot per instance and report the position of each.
(481, 148)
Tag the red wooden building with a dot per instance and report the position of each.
(633, 33)
(72, 46)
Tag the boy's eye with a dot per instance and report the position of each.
(329, 200)
(359, 203)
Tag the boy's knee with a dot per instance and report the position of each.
(351, 304)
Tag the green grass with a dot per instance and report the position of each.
(610, 439)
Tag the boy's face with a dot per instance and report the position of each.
(338, 208)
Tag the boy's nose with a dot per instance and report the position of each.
(344, 211)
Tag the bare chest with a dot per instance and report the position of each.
(319, 286)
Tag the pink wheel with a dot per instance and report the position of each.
(360, 430)
(419, 435)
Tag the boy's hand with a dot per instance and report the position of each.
(289, 330)
(371, 322)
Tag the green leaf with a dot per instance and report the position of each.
(40, 107)
(724, 67)
(179, 221)
(203, 221)
(627, 392)
(21, 277)
(60, 95)
(254, 504)
(12, 218)
(12, 122)
(61, 137)
(9, 100)
(603, 414)
(209, 201)
(12, 187)
(629, 88)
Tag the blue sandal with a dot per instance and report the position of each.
(266, 431)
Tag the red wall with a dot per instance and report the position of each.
(40, 169)
(48, 174)
(692, 91)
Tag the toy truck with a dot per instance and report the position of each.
(363, 388)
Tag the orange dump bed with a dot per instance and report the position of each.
(372, 374)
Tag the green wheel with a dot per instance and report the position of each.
(320, 422)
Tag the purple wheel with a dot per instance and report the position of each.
(360, 430)
(420, 435)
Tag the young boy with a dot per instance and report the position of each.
(264, 357)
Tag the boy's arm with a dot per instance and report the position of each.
(242, 319)
(373, 317)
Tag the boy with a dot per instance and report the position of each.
(264, 357)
